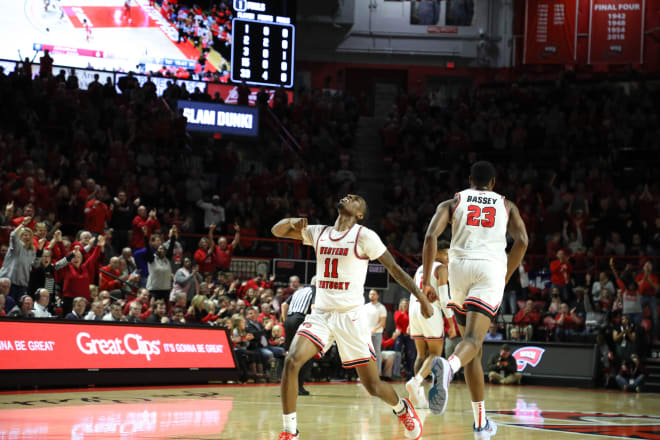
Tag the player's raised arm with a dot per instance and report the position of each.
(516, 229)
(435, 229)
(406, 282)
(290, 228)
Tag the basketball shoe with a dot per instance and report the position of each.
(288, 436)
(416, 394)
(486, 432)
(410, 422)
(439, 391)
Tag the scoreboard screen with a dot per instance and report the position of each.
(263, 43)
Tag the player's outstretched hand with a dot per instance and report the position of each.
(426, 308)
(430, 293)
(298, 224)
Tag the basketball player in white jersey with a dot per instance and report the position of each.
(343, 252)
(478, 271)
(428, 334)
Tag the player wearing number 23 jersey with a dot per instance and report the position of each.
(477, 256)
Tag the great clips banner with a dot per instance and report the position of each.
(550, 31)
(616, 31)
(54, 346)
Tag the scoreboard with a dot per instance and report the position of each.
(263, 43)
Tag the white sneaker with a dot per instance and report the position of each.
(416, 394)
(410, 421)
(486, 432)
(439, 392)
(421, 402)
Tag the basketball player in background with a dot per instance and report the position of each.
(478, 271)
(343, 252)
(428, 334)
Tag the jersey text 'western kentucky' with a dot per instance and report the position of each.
(479, 224)
(342, 260)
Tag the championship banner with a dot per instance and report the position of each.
(64, 346)
(550, 31)
(616, 32)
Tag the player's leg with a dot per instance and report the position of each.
(435, 348)
(401, 407)
(302, 350)
(422, 353)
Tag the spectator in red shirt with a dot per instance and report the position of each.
(223, 252)
(141, 220)
(28, 211)
(404, 341)
(106, 282)
(294, 284)
(566, 323)
(96, 215)
(526, 319)
(142, 299)
(560, 270)
(204, 254)
(647, 282)
(77, 276)
(266, 313)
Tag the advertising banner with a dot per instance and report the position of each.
(550, 31)
(616, 32)
(59, 346)
(220, 118)
(544, 359)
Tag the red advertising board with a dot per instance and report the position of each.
(616, 31)
(550, 31)
(55, 346)
(229, 93)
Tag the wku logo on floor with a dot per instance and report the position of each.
(597, 424)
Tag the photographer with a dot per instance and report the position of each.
(502, 368)
(624, 338)
(631, 375)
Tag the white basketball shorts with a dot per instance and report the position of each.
(347, 329)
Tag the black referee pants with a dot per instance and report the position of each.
(291, 324)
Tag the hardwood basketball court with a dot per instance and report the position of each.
(333, 411)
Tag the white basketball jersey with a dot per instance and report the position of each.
(479, 224)
(342, 260)
(419, 278)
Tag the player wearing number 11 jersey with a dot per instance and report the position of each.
(478, 271)
(343, 252)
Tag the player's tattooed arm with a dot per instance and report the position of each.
(290, 228)
(516, 229)
(406, 282)
(439, 222)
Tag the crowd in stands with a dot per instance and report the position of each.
(103, 190)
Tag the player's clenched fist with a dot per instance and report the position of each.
(425, 307)
(298, 224)
(430, 293)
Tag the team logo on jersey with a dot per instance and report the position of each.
(528, 356)
(306, 325)
(587, 423)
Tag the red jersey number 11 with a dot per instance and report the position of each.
(334, 262)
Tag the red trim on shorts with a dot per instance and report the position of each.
(439, 338)
(416, 337)
(455, 204)
(337, 239)
(475, 304)
(319, 237)
(315, 339)
(479, 300)
(357, 362)
(455, 307)
(357, 238)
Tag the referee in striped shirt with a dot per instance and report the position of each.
(294, 310)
